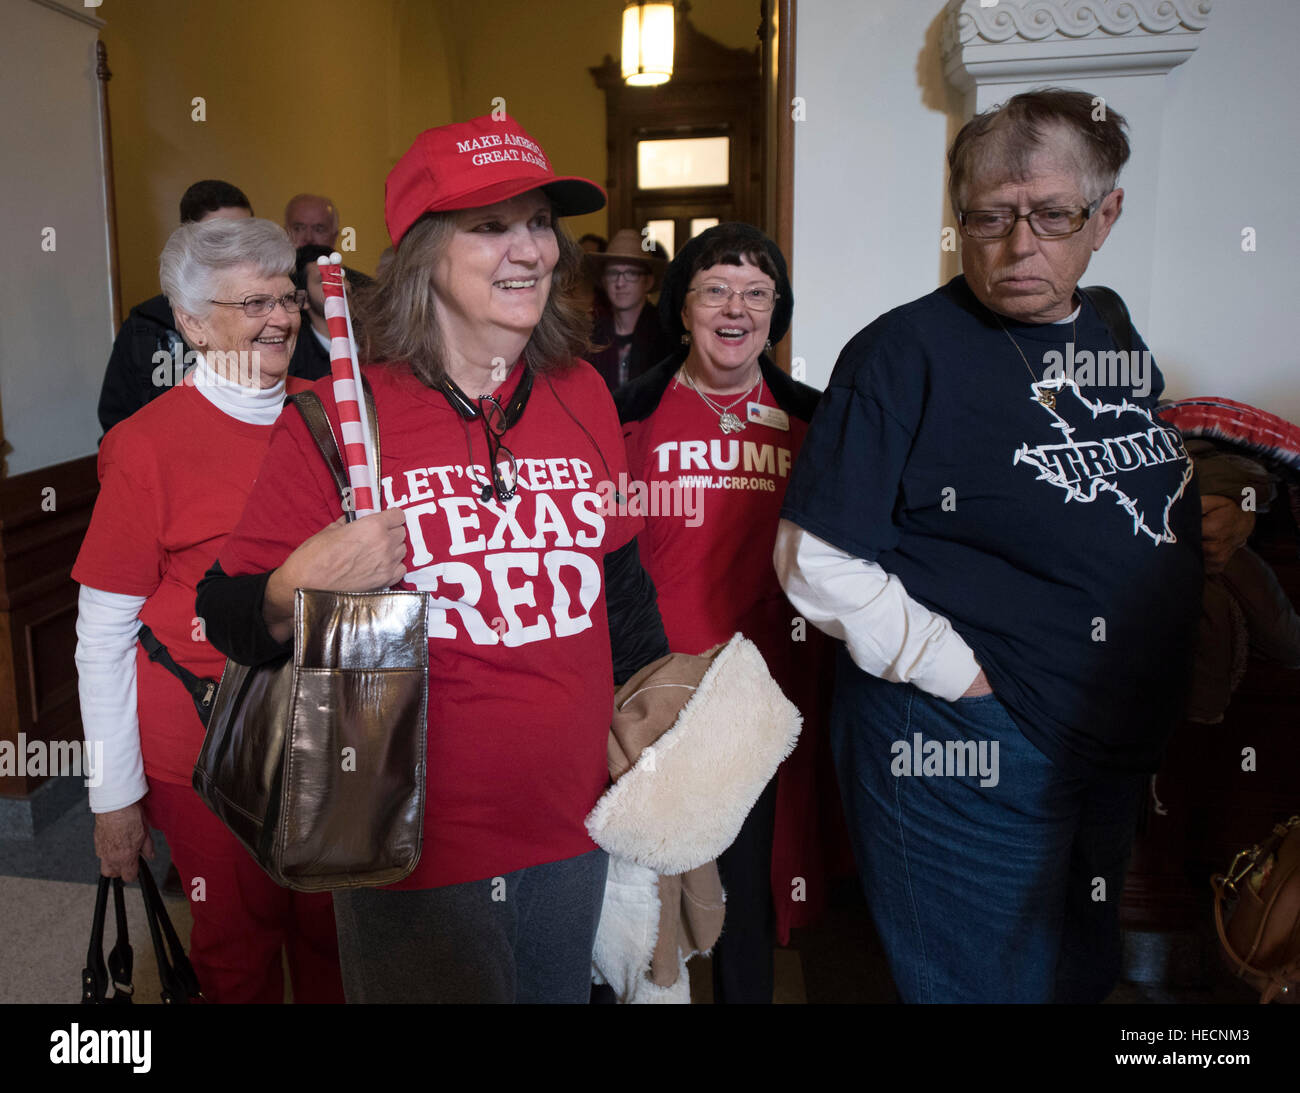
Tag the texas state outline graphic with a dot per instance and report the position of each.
(1085, 470)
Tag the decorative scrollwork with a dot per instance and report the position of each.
(1036, 20)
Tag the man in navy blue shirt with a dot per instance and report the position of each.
(989, 515)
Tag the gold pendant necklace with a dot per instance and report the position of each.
(1047, 398)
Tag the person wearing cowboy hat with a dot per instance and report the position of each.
(627, 333)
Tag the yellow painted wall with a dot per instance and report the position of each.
(277, 121)
(276, 126)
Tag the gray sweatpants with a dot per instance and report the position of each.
(526, 936)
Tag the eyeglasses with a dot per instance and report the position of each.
(257, 306)
(714, 294)
(494, 428)
(1052, 223)
(618, 276)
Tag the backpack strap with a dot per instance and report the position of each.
(1114, 313)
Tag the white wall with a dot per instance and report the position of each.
(868, 181)
(56, 321)
(1227, 322)
(869, 204)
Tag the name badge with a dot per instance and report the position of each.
(771, 416)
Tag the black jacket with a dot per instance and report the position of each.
(137, 372)
(133, 376)
(649, 344)
(310, 360)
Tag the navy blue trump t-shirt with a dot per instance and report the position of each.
(1054, 522)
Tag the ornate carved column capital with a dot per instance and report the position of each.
(1044, 41)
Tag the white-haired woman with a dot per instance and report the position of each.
(173, 480)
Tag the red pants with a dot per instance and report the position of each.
(244, 919)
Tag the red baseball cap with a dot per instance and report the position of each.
(474, 163)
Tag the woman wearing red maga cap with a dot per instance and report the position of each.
(494, 440)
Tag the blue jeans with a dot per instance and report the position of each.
(1002, 892)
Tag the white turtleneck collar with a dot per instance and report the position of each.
(253, 405)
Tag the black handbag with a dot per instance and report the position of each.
(316, 761)
(179, 983)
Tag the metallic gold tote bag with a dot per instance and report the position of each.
(316, 761)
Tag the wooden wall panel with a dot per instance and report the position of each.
(43, 518)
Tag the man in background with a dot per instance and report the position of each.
(150, 327)
(311, 353)
(310, 218)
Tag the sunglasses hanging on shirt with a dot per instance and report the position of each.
(496, 420)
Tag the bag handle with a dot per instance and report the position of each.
(94, 976)
(179, 983)
(121, 961)
(1277, 979)
(1222, 883)
(318, 424)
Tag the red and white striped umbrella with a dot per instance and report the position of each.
(362, 474)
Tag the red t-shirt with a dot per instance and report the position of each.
(173, 478)
(520, 678)
(712, 567)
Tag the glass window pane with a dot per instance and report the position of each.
(702, 224)
(691, 161)
(664, 233)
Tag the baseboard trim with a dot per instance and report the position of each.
(26, 817)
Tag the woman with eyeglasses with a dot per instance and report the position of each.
(716, 428)
(495, 439)
(173, 481)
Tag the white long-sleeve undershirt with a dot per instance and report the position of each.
(887, 633)
(108, 622)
